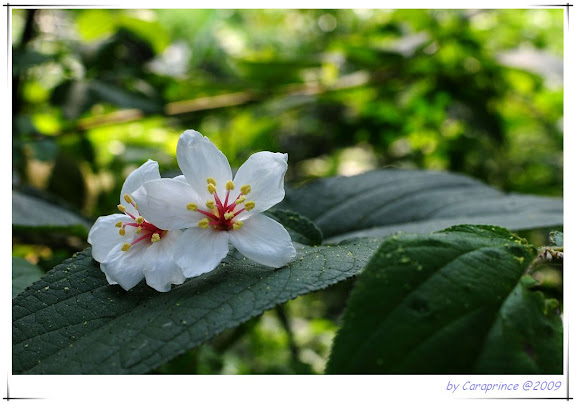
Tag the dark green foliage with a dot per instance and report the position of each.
(449, 302)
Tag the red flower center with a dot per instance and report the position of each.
(222, 215)
(147, 231)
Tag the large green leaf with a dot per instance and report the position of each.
(72, 321)
(449, 302)
(383, 202)
(34, 213)
(24, 274)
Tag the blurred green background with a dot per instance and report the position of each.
(98, 92)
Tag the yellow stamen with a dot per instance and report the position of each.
(249, 205)
(204, 223)
(211, 188)
(192, 206)
(211, 180)
(155, 238)
(138, 230)
(210, 204)
(127, 198)
(122, 231)
(229, 185)
(125, 247)
(237, 225)
(139, 219)
(240, 200)
(118, 224)
(228, 215)
(246, 189)
(122, 208)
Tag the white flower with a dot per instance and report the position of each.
(215, 210)
(129, 247)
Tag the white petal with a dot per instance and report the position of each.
(163, 203)
(201, 250)
(199, 159)
(125, 267)
(146, 172)
(180, 178)
(110, 281)
(160, 270)
(263, 240)
(264, 172)
(103, 235)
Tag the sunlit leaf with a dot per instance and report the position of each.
(152, 31)
(96, 23)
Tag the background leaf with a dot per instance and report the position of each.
(24, 274)
(556, 238)
(449, 302)
(31, 212)
(301, 229)
(109, 93)
(383, 202)
(72, 321)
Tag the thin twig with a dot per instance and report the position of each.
(176, 108)
(547, 255)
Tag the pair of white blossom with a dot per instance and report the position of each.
(173, 229)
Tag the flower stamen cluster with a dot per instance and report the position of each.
(221, 216)
(151, 233)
